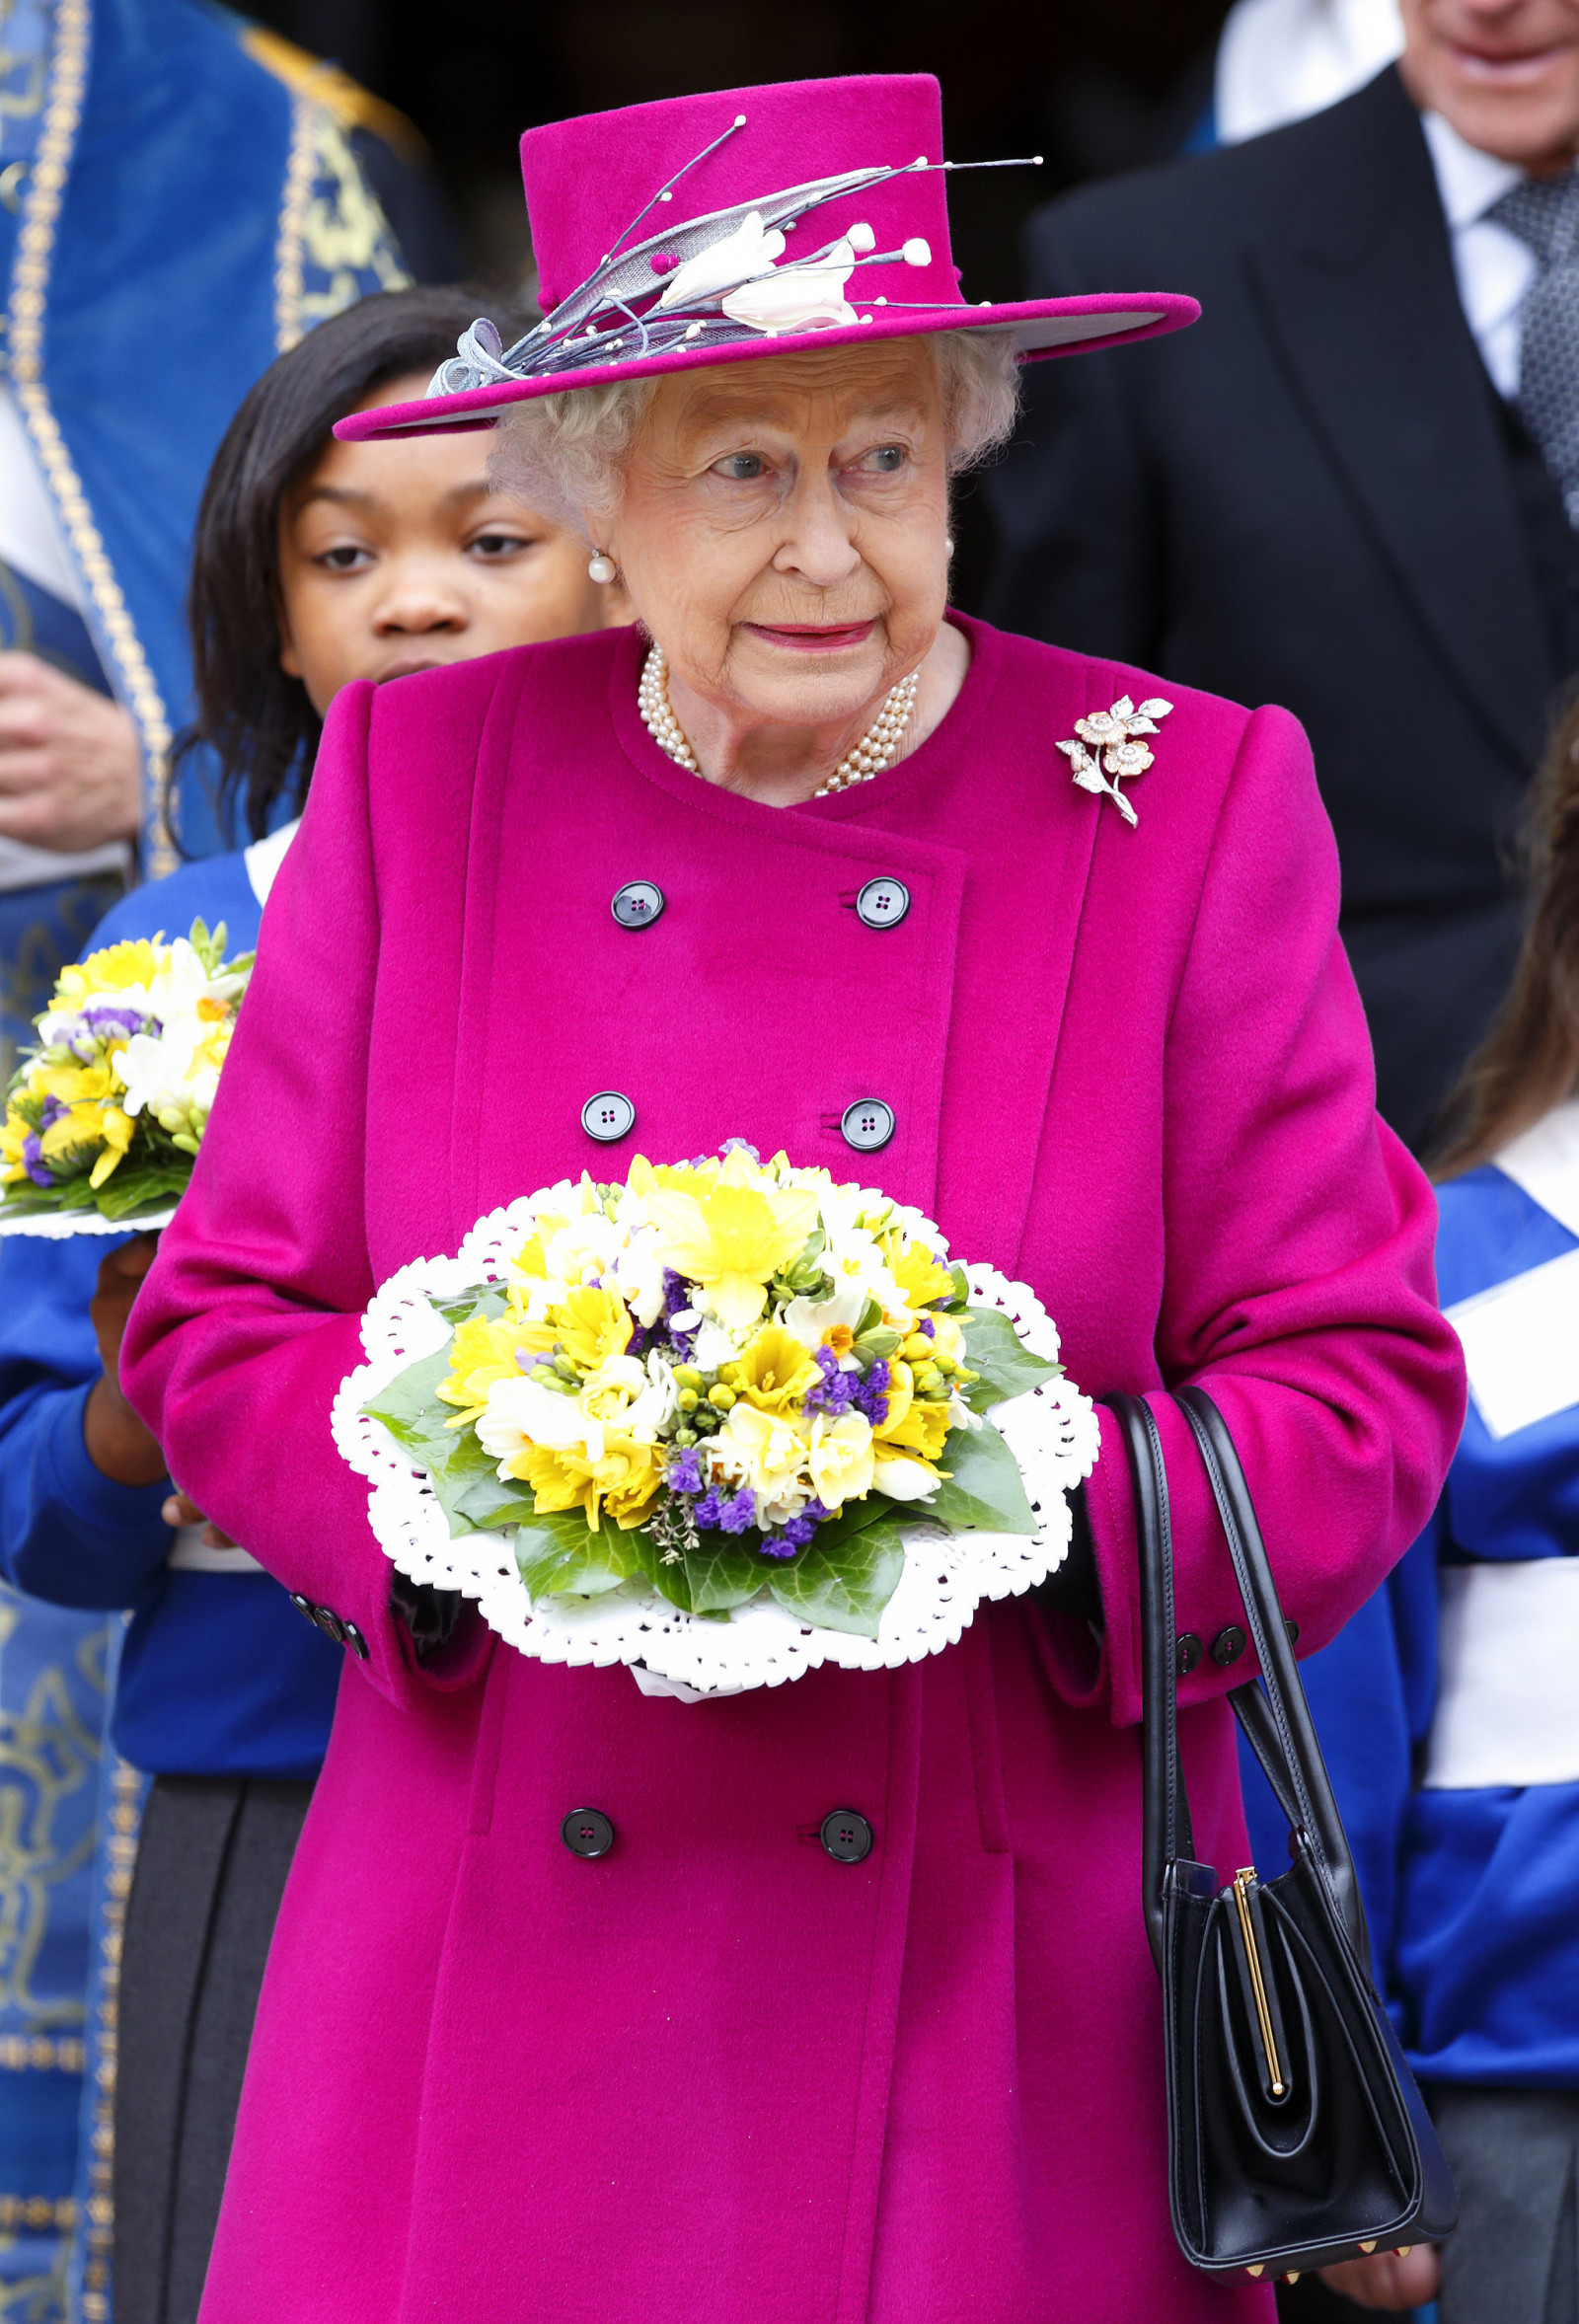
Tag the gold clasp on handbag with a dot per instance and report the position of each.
(1252, 1953)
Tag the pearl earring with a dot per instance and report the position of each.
(602, 567)
(950, 546)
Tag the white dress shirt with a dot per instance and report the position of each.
(1494, 267)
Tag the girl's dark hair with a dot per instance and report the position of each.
(257, 720)
(1528, 1061)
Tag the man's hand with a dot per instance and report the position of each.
(70, 763)
(119, 1445)
(1383, 2280)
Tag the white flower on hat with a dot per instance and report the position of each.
(749, 251)
(798, 298)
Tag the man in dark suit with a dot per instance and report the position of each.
(1326, 494)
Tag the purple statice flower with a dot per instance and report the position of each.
(872, 1394)
(795, 1531)
(32, 1161)
(676, 1298)
(927, 1326)
(835, 1392)
(539, 1356)
(684, 1473)
(736, 1515)
(745, 1147)
(709, 1512)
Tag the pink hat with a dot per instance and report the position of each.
(711, 229)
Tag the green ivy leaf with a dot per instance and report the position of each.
(984, 1490)
(558, 1557)
(478, 1298)
(724, 1572)
(1007, 1367)
(849, 1590)
(670, 1581)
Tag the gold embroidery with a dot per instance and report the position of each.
(36, 241)
(330, 220)
(120, 1850)
(18, 2051)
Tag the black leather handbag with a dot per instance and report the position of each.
(1296, 2134)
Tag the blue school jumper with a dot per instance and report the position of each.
(219, 1674)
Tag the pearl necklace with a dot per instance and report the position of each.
(877, 749)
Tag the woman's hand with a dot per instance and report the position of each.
(118, 1443)
(1383, 2280)
(70, 763)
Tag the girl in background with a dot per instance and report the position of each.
(317, 562)
(1476, 1642)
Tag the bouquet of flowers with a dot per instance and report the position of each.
(106, 1114)
(715, 1387)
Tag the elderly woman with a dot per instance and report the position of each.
(816, 864)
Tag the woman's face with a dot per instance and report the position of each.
(782, 529)
(401, 556)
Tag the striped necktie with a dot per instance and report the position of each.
(1545, 213)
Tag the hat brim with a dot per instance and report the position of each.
(1040, 327)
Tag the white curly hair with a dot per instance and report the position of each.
(564, 454)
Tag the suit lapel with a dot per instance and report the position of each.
(1361, 305)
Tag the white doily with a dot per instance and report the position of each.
(60, 1225)
(1051, 1430)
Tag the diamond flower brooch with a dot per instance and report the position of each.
(1115, 750)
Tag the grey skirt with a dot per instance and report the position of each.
(211, 1867)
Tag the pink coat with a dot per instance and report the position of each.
(715, 2077)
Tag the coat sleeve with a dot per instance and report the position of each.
(1076, 514)
(67, 1534)
(249, 1320)
(1300, 1286)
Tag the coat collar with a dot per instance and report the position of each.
(1357, 289)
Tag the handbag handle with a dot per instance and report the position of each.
(1272, 1712)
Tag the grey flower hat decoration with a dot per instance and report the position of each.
(722, 227)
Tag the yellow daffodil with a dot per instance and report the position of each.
(775, 1370)
(119, 1129)
(947, 1339)
(910, 1424)
(840, 1457)
(482, 1352)
(762, 1449)
(112, 970)
(79, 1125)
(921, 1276)
(595, 1324)
(734, 1237)
(72, 1084)
(623, 1484)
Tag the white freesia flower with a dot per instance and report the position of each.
(960, 1414)
(712, 1346)
(798, 298)
(750, 250)
(163, 1072)
(838, 1458)
(521, 1413)
(902, 1479)
(639, 1276)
